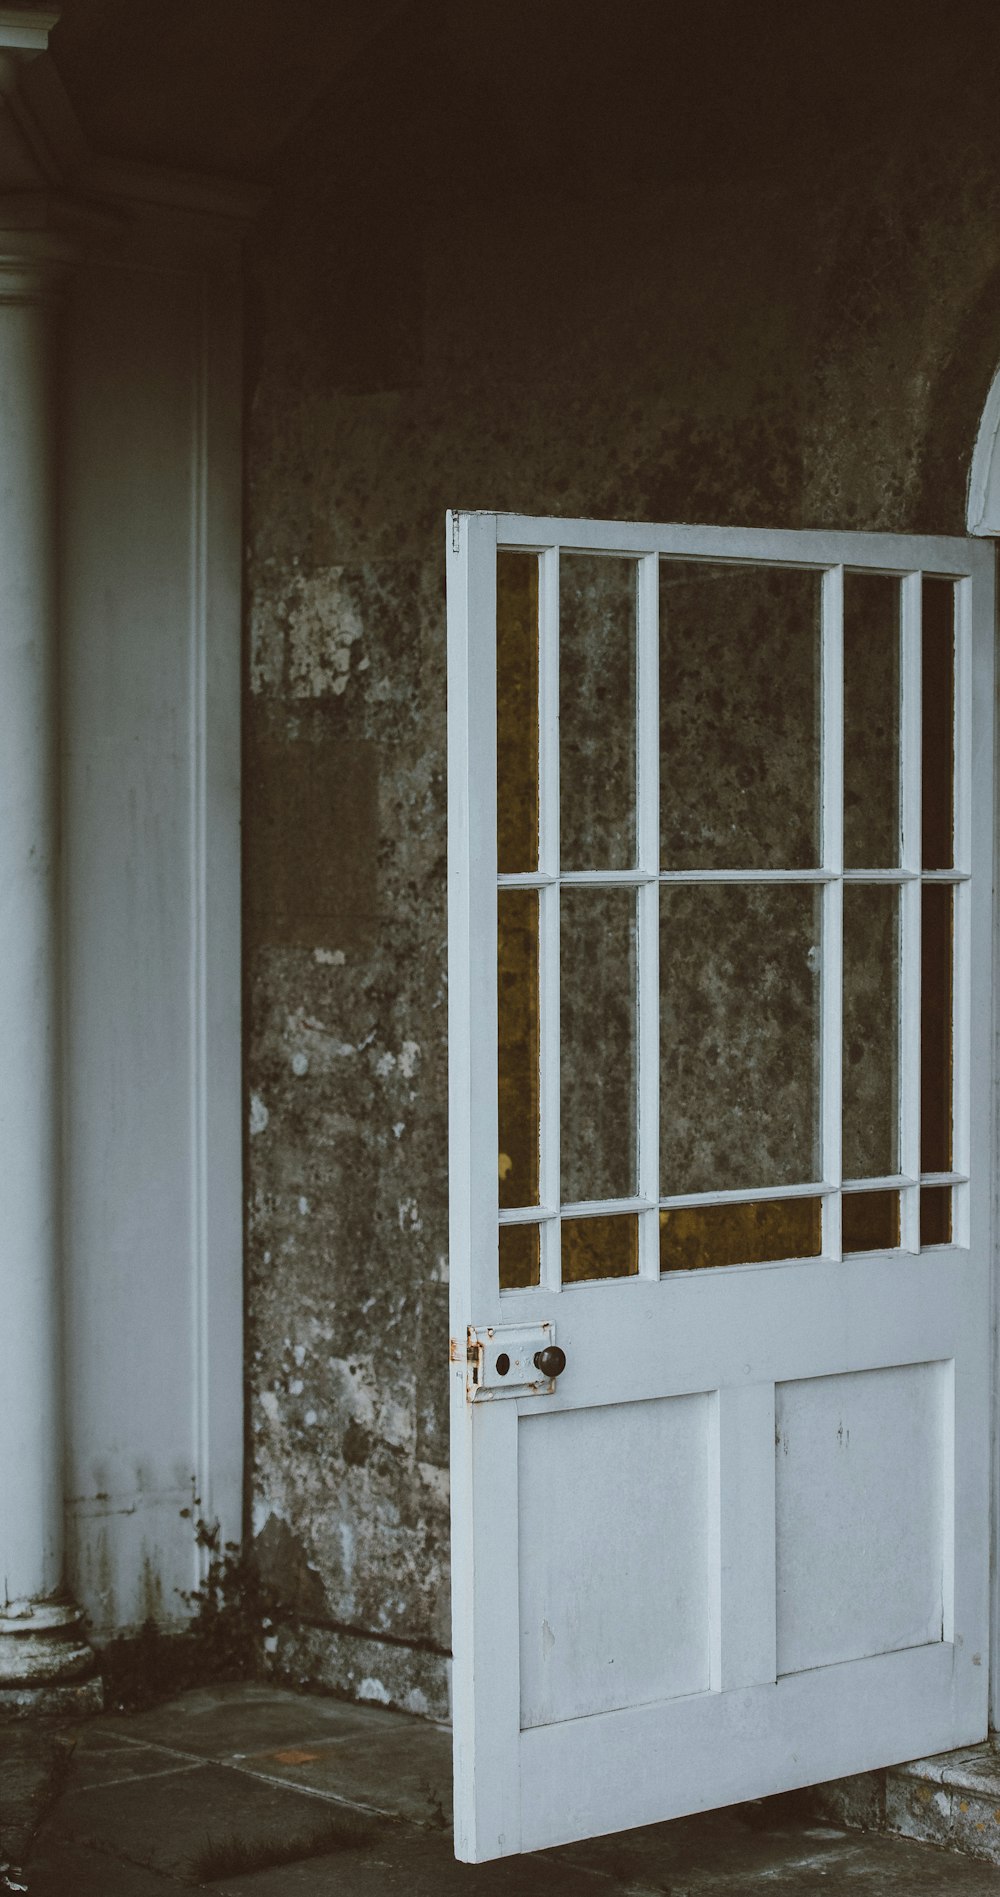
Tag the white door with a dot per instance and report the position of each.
(723, 799)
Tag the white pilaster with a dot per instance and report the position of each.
(39, 1636)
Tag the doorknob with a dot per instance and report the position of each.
(551, 1361)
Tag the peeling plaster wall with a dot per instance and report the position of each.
(800, 347)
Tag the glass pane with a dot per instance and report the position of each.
(520, 1258)
(870, 1221)
(597, 622)
(935, 1028)
(935, 1215)
(692, 1237)
(517, 712)
(938, 718)
(597, 952)
(739, 1061)
(871, 721)
(518, 1102)
(600, 1248)
(871, 1031)
(739, 716)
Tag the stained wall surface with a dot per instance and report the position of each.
(757, 303)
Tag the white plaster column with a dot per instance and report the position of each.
(40, 1640)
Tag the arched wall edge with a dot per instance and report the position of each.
(982, 514)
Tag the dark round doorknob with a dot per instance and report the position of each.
(551, 1361)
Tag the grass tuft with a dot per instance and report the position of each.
(234, 1857)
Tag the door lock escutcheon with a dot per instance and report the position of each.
(512, 1360)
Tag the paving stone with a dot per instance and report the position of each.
(34, 1760)
(750, 1849)
(115, 1760)
(397, 1765)
(231, 1720)
(61, 1868)
(135, 1835)
(165, 1822)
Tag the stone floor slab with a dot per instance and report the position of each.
(110, 1764)
(403, 1769)
(225, 1721)
(164, 1822)
(33, 1766)
(255, 1764)
(61, 1868)
(769, 1846)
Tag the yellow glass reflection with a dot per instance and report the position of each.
(870, 1221)
(935, 1028)
(598, 1062)
(520, 1257)
(600, 1248)
(871, 1031)
(696, 1237)
(938, 720)
(935, 1215)
(517, 1052)
(517, 712)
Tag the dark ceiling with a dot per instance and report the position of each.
(206, 85)
(586, 95)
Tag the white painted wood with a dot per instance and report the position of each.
(882, 553)
(31, 1532)
(860, 1462)
(648, 908)
(151, 550)
(966, 738)
(911, 647)
(484, 1500)
(742, 1577)
(639, 1470)
(901, 1338)
(743, 1196)
(589, 1776)
(832, 965)
(550, 1178)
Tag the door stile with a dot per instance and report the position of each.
(550, 1183)
(963, 897)
(648, 908)
(484, 1457)
(472, 918)
(994, 1207)
(975, 1005)
(911, 858)
(832, 964)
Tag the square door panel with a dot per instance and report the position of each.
(860, 1516)
(613, 1534)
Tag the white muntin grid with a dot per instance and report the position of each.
(829, 877)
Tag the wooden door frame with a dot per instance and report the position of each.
(982, 520)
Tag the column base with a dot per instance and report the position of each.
(42, 1647)
(81, 1699)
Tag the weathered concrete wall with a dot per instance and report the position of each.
(790, 345)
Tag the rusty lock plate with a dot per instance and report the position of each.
(501, 1361)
